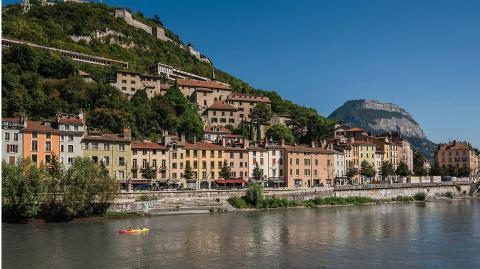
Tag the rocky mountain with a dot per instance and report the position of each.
(378, 117)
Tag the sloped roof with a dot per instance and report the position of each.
(146, 145)
(202, 145)
(221, 106)
(203, 84)
(106, 137)
(248, 97)
(39, 126)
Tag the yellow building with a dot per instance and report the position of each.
(113, 150)
(206, 161)
(362, 151)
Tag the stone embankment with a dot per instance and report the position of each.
(204, 201)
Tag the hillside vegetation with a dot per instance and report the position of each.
(41, 84)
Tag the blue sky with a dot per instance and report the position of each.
(422, 55)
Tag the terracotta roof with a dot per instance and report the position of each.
(233, 136)
(106, 137)
(355, 129)
(39, 126)
(307, 149)
(17, 120)
(256, 148)
(248, 97)
(70, 121)
(455, 146)
(217, 130)
(363, 143)
(221, 106)
(202, 145)
(203, 84)
(146, 145)
(235, 149)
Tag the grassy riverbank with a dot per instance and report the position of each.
(254, 198)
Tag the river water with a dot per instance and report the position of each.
(441, 234)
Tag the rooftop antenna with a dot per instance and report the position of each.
(26, 6)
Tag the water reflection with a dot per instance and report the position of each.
(423, 235)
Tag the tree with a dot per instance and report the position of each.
(21, 188)
(149, 172)
(419, 164)
(188, 172)
(402, 170)
(351, 171)
(367, 170)
(436, 169)
(277, 132)
(261, 113)
(257, 172)
(387, 170)
(464, 172)
(254, 194)
(225, 172)
(190, 124)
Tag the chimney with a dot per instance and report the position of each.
(283, 142)
(223, 142)
(182, 138)
(313, 144)
(23, 120)
(194, 139)
(127, 133)
(246, 143)
(266, 141)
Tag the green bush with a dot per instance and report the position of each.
(404, 198)
(237, 202)
(449, 194)
(420, 196)
(254, 195)
(342, 201)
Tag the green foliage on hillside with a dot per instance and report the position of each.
(33, 90)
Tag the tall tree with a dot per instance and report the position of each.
(402, 170)
(419, 164)
(367, 170)
(257, 172)
(387, 170)
(351, 171)
(261, 113)
(225, 172)
(277, 132)
(188, 172)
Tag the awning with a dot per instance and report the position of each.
(230, 181)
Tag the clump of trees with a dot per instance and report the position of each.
(54, 193)
(277, 132)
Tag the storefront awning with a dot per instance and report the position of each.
(230, 181)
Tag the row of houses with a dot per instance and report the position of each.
(66, 137)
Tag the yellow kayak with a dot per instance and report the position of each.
(134, 231)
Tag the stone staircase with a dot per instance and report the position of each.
(197, 206)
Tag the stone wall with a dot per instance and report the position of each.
(394, 190)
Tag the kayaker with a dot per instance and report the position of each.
(130, 228)
(141, 227)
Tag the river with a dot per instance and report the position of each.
(441, 234)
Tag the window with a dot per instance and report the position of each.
(34, 134)
(70, 138)
(121, 160)
(144, 163)
(174, 175)
(106, 160)
(297, 172)
(95, 146)
(164, 163)
(48, 135)
(76, 127)
(174, 165)
(107, 146)
(316, 162)
(34, 145)
(15, 137)
(61, 148)
(121, 175)
(34, 158)
(212, 165)
(154, 163)
(70, 148)
(204, 153)
(219, 154)
(212, 154)
(231, 165)
(121, 147)
(134, 163)
(144, 152)
(95, 159)
(48, 158)
(6, 137)
(12, 148)
(70, 160)
(132, 82)
(124, 81)
(195, 164)
(204, 165)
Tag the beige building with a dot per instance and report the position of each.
(245, 103)
(237, 160)
(149, 155)
(221, 114)
(113, 150)
(130, 82)
(203, 93)
(458, 154)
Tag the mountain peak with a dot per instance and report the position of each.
(379, 117)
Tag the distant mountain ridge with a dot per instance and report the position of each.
(378, 117)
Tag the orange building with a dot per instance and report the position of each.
(40, 142)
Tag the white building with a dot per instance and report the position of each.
(72, 130)
(339, 164)
(12, 139)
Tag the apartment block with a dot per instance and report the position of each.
(40, 142)
(149, 156)
(459, 154)
(129, 82)
(71, 128)
(245, 103)
(12, 139)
